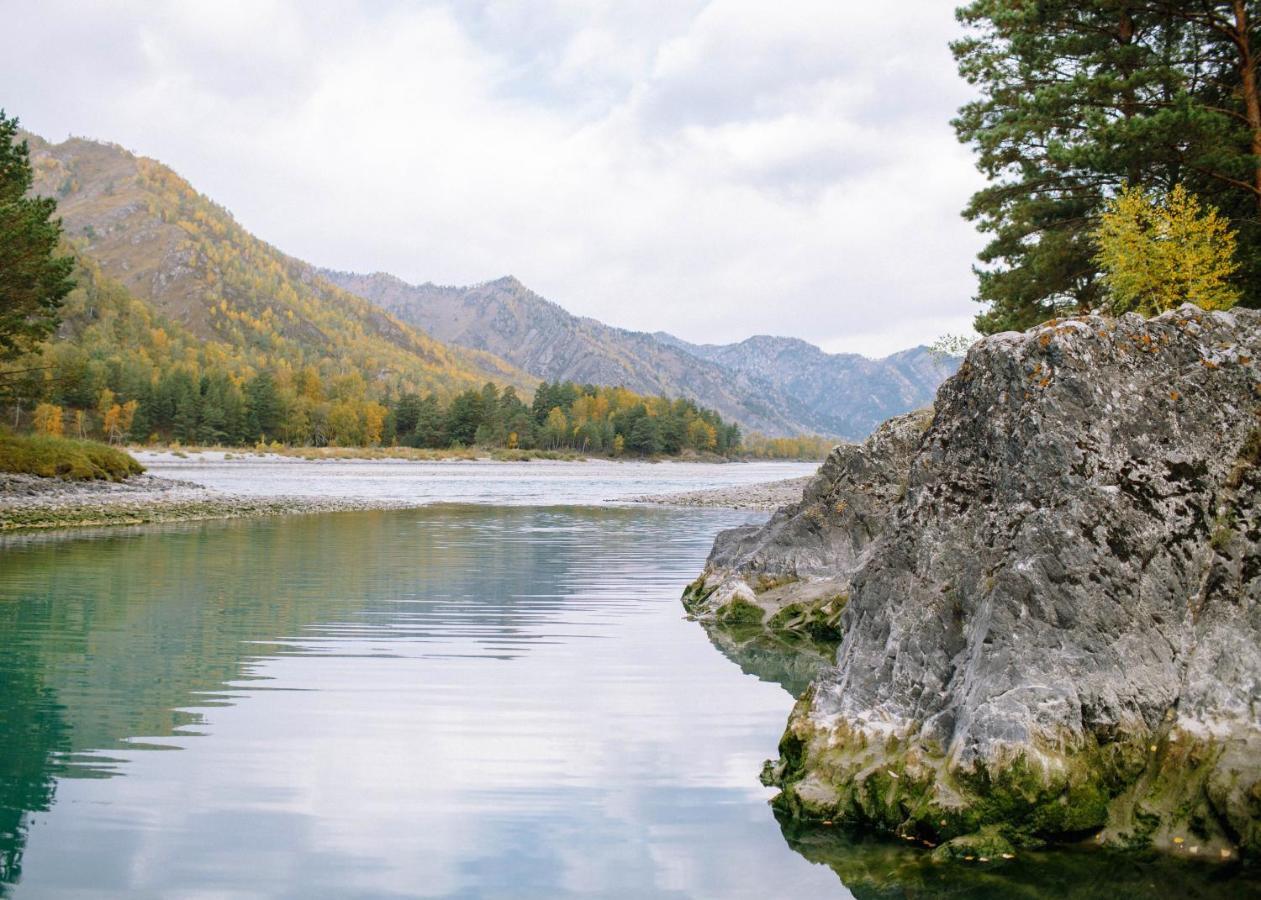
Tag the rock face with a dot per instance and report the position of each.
(793, 573)
(1052, 629)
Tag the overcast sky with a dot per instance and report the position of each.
(713, 168)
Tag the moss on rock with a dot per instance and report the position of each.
(984, 846)
(1134, 793)
(740, 612)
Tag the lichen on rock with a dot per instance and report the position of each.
(1052, 629)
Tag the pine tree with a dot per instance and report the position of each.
(431, 425)
(33, 279)
(464, 416)
(406, 415)
(1079, 98)
(266, 409)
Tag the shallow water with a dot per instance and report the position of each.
(546, 482)
(452, 701)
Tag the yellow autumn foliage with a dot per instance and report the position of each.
(1158, 251)
(48, 420)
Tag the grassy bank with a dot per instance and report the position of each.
(56, 457)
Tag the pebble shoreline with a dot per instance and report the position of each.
(767, 495)
(31, 502)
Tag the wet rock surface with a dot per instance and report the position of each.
(1052, 629)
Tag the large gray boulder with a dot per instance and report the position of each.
(1052, 628)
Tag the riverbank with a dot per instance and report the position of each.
(766, 495)
(221, 486)
(32, 502)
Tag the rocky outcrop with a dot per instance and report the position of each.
(791, 576)
(1052, 629)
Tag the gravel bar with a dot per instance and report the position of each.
(768, 495)
(32, 502)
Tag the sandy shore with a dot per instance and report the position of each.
(769, 495)
(30, 502)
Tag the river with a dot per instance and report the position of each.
(454, 701)
(541, 482)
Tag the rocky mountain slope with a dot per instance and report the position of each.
(1049, 597)
(841, 394)
(195, 267)
(506, 318)
(780, 386)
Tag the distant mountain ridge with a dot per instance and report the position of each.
(780, 386)
(245, 302)
(843, 394)
(507, 319)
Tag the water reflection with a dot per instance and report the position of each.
(874, 868)
(790, 665)
(454, 701)
(33, 732)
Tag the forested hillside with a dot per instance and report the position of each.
(122, 372)
(119, 370)
(185, 326)
(191, 262)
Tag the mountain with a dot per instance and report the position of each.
(227, 293)
(506, 318)
(202, 274)
(775, 385)
(842, 394)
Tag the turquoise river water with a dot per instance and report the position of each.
(455, 701)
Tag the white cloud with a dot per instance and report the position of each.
(715, 169)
